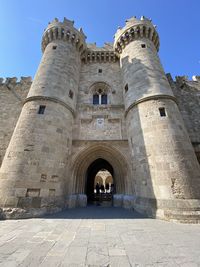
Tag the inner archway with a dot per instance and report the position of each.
(104, 179)
(93, 181)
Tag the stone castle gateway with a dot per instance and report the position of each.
(92, 108)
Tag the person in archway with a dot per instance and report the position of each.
(112, 189)
(97, 188)
(102, 188)
(107, 187)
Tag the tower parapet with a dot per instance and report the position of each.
(65, 31)
(135, 29)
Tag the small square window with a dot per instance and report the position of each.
(71, 94)
(162, 112)
(126, 88)
(54, 47)
(143, 45)
(100, 70)
(41, 109)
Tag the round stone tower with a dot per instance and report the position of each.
(34, 171)
(165, 168)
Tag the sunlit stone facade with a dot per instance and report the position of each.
(90, 109)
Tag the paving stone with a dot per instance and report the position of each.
(116, 252)
(98, 241)
(119, 261)
(75, 256)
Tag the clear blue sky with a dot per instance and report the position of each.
(22, 23)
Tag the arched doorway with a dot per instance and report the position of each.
(99, 166)
(97, 156)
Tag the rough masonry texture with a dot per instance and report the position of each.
(91, 108)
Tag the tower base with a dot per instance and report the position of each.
(174, 210)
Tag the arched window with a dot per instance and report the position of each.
(100, 97)
(100, 93)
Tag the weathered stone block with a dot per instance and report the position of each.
(24, 202)
(71, 201)
(36, 202)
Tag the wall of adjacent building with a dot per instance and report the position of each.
(12, 95)
(187, 93)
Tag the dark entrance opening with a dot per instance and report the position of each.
(99, 165)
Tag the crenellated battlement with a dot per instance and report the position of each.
(134, 29)
(182, 79)
(106, 47)
(65, 31)
(65, 21)
(103, 54)
(15, 81)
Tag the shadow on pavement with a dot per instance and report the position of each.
(97, 212)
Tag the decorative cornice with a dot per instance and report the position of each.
(53, 99)
(153, 97)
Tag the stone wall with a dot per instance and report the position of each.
(100, 122)
(12, 95)
(187, 93)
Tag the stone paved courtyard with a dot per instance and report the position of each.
(98, 236)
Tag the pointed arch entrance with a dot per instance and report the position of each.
(91, 159)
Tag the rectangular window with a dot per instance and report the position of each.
(162, 112)
(54, 47)
(41, 109)
(104, 99)
(100, 70)
(95, 99)
(143, 45)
